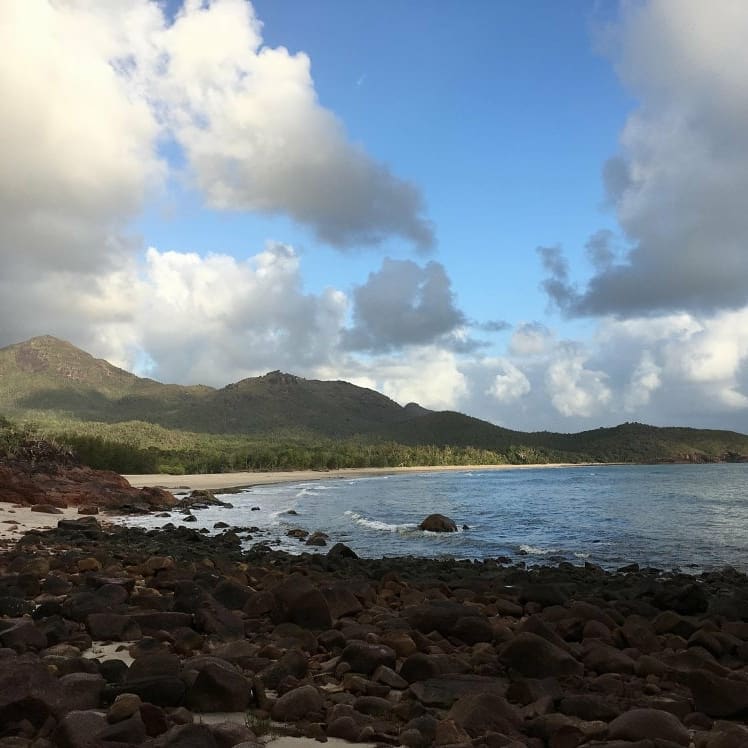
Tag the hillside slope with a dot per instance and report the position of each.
(50, 380)
(47, 376)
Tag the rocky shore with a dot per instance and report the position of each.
(123, 637)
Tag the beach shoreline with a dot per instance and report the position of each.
(16, 520)
(227, 481)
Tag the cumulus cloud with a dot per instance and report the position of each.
(404, 303)
(92, 92)
(531, 339)
(78, 149)
(510, 383)
(574, 389)
(428, 375)
(256, 137)
(217, 319)
(680, 182)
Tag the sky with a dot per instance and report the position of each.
(533, 213)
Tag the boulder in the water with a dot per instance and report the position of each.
(438, 523)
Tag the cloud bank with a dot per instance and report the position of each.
(678, 186)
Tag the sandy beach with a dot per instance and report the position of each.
(15, 520)
(222, 481)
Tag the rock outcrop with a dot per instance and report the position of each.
(58, 484)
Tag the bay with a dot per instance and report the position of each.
(692, 517)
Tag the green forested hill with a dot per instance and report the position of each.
(280, 420)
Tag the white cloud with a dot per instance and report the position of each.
(645, 380)
(216, 319)
(427, 375)
(575, 390)
(256, 137)
(680, 182)
(531, 339)
(510, 383)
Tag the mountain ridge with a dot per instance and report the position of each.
(48, 378)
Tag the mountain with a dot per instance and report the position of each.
(45, 375)
(47, 379)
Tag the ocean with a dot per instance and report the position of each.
(689, 517)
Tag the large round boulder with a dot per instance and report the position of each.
(438, 523)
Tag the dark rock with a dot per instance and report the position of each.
(341, 601)
(374, 706)
(589, 707)
(344, 728)
(716, 696)
(78, 728)
(82, 690)
(293, 663)
(438, 523)
(106, 599)
(420, 666)
(317, 539)
(14, 607)
(297, 704)
(298, 600)
(46, 509)
(124, 706)
(162, 690)
(232, 594)
(113, 627)
(155, 664)
(130, 730)
(219, 689)
(444, 690)
(473, 629)
(89, 509)
(229, 734)
(86, 527)
(340, 550)
(534, 657)
(546, 594)
(481, 712)
(188, 736)
(22, 635)
(29, 691)
(602, 658)
(366, 658)
(653, 724)
(161, 620)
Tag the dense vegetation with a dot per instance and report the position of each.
(114, 419)
(137, 447)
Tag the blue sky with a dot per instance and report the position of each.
(530, 212)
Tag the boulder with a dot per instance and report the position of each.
(366, 658)
(219, 689)
(438, 523)
(652, 724)
(77, 728)
(716, 696)
(340, 550)
(478, 713)
(297, 704)
(534, 657)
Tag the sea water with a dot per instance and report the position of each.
(692, 517)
